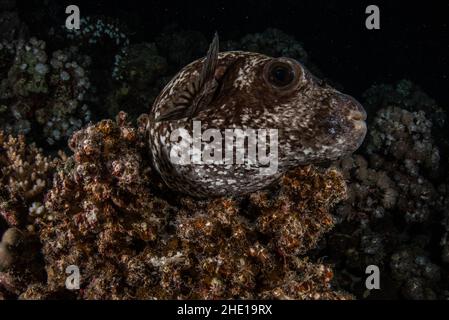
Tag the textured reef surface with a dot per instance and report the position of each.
(398, 197)
(79, 190)
(103, 214)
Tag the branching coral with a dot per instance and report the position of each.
(25, 176)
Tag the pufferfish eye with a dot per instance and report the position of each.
(282, 73)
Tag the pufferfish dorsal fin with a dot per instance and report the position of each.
(198, 94)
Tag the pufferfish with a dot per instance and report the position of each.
(243, 90)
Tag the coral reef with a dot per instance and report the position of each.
(104, 33)
(104, 210)
(145, 68)
(398, 191)
(401, 142)
(407, 95)
(143, 74)
(46, 97)
(25, 176)
(105, 42)
(104, 215)
(20, 262)
(143, 71)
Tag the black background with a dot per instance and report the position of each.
(413, 41)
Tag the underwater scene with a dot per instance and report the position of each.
(215, 150)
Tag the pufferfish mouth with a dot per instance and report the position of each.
(357, 112)
(358, 119)
(356, 116)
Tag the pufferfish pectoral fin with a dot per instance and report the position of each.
(197, 95)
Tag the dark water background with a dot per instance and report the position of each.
(413, 41)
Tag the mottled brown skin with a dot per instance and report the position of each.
(315, 123)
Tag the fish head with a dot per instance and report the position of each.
(315, 121)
